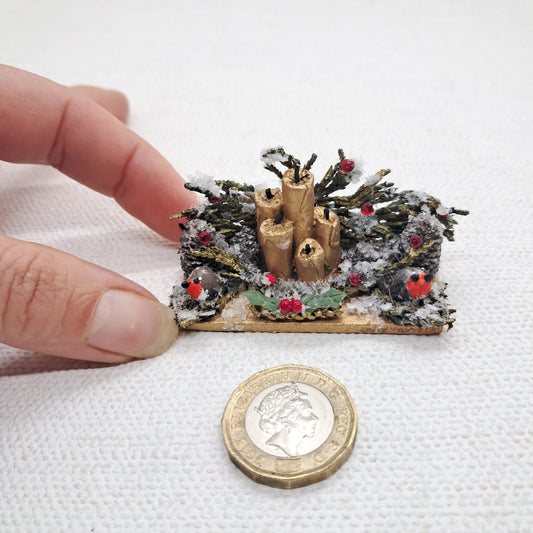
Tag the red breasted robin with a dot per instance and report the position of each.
(406, 283)
(419, 285)
(194, 287)
(202, 279)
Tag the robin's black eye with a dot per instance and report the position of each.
(196, 280)
(415, 277)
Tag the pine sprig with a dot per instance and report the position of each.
(229, 185)
(374, 193)
(223, 300)
(185, 213)
(287, 160)
(311, 161)
(405, 315)
(228, 216)
(230, 222)
(198, 188)
(410, 258)
(219, 258)
(333, 180)
(275, 170)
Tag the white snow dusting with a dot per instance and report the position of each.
(207, 182)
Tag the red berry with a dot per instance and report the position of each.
(213, 200)
(285, 306)
(347, 165)
(192, 215)
(271, 278)
(367, 208)
(296, 306)
(416, 241)
(204, 237)
(356, 279)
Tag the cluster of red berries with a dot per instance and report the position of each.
(287, 306)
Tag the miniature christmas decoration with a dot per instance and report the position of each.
(313, 255)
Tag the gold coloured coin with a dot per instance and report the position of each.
(289, 426)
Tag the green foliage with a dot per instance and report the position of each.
(312, 302)
(258, 299)
(330, 299)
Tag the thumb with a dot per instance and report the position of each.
(54, 303)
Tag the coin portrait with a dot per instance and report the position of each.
(289, 426)
(288, 420)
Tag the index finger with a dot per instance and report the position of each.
(47, 123)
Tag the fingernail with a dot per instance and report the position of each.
(129, 324)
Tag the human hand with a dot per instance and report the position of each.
(52, 302)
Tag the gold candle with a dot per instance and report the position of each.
(328, 235)
(276, 242)
(309, 260)
(267, 205)
(298, 202)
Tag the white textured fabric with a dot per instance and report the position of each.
(441, 93)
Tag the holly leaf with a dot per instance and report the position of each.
(258, 299)
(331, 299)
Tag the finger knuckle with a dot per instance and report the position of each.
(29, 293)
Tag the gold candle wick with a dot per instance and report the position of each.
(267, 204)
(309, 261)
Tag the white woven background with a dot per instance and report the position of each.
(441, 93)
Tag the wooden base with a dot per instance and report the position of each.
(245, 320)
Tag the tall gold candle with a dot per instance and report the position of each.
(298, 192)
(328, 235)
(309, 260)
(276, 242)
(267, 205)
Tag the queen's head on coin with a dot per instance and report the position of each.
(287, 414)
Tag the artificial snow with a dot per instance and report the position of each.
(443, 211)
(236, 311)
(369, 306)
(271, 156)
(205, 182)
(372, 180)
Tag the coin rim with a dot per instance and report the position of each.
(289, 481)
